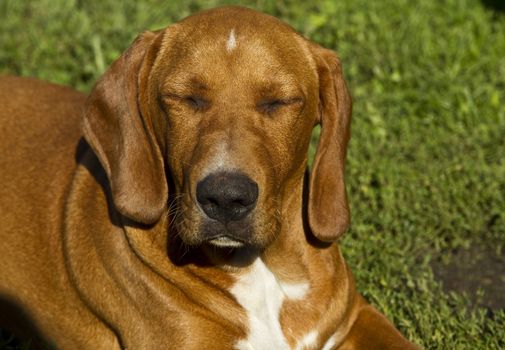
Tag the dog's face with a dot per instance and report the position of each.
(240, 107)
(223, 102)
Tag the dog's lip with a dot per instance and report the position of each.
(225, 241)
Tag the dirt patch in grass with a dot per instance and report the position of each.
(469, 270)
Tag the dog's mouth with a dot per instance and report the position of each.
(197, 228)
(225, 241)
(226, 235)
(232, 243)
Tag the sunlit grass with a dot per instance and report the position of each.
(426, 164)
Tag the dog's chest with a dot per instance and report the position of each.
(262, 296)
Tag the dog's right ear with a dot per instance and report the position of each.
(123, 138)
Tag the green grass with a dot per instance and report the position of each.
(426, 164)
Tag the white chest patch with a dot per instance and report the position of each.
(330, 343)
(295, 291)
(261, 295)
(231, 43)
(308, 341)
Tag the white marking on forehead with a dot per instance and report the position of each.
(232, 41)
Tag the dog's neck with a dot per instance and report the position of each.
(284, 257)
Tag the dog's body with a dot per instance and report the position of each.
(187, 223)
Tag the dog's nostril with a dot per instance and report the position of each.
(227, 196)
(240, 202)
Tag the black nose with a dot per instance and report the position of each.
(227, 196)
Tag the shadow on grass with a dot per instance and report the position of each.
(17, 326)
(495, 5)
(479, 269)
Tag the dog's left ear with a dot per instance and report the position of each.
(328, 209)
(118, 129)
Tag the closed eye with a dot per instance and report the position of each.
(196, 103)
(273, 105)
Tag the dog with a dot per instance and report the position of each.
(172, 208)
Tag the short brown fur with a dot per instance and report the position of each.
(101, 239)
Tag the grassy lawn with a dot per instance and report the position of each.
(426, 163)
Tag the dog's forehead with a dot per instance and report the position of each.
(239, 43)
(221, 19)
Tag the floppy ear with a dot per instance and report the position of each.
(328, 210)
(122, 137)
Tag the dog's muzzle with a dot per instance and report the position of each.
(227, 199)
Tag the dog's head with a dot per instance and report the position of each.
(220, 108)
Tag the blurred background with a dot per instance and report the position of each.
(426, 162)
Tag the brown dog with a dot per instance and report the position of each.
(184, 220)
